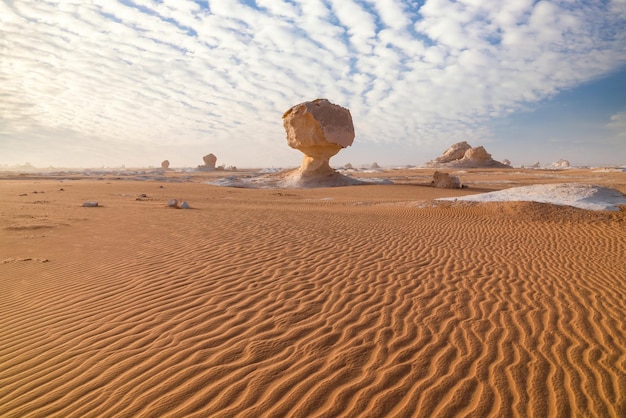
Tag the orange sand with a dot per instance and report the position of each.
(350, 301)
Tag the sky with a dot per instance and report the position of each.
(93, 83)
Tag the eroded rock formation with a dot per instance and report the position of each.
(319, 129)
(560, 164)
(165, 165)
(446, 181)
(464, 155)
(209, 163)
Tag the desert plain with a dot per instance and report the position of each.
(366, 300)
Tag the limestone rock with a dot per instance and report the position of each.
(506, 162)
(560, 164)
(445, 181)
(165, 165)
(463, 155)
(454, 153)
(172, 203)
(209, 163)
(319, 129)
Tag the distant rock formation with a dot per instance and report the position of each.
(209, 163)
(536, 165)
(506, 162)
(454, 153)
(446, 181)
(319, 129)
(463, 155)
(165, 165)
(560, 164)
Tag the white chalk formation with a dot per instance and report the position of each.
(209, 163)
(445, 181)
(319, 129)
(463, 155)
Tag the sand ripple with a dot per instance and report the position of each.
(320, 310)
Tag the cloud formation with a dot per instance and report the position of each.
(219, 74)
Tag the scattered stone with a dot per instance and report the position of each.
(172, 203)
(184, 205)
(446, 181)
(90, 204)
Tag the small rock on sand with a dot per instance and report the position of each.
(172, 203)
(90, 204)
(184, 205)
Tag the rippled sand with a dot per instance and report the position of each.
(353, 301)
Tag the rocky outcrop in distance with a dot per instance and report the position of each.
(463, 155)
(209, 163)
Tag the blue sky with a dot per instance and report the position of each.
(106, 83)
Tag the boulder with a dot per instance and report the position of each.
(445, 181)
(165, 164)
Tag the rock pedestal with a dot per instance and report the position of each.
(319, 129)
(209, 163)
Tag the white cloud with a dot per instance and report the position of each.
(618, 123)
(170, 73)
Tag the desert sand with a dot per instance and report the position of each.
(351, 301)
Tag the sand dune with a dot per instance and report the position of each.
(350, 301)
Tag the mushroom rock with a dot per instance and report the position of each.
(209, 163)
(210, 160)
(506, 162)
(165, 164)
(319, 129)
(446, 181)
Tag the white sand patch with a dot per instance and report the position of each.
(583, 196)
